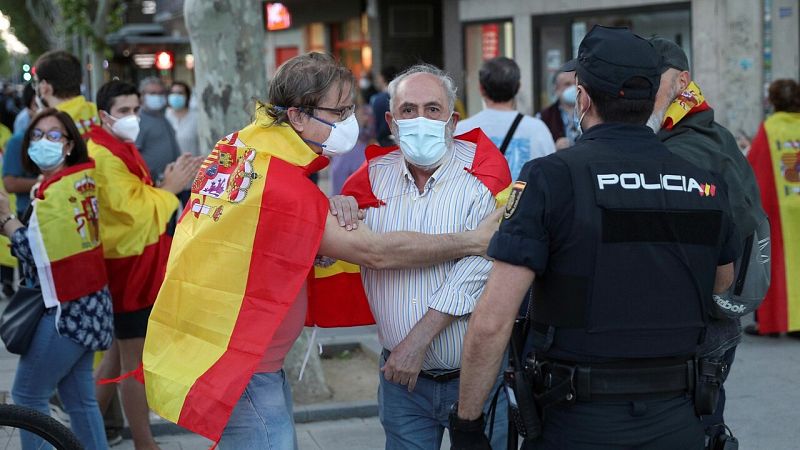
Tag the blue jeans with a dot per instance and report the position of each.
(263, 417)
(417, 420)
(53, 361)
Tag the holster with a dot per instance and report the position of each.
(521, 403)
(708, 381)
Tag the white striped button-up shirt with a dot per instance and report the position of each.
(453, 201)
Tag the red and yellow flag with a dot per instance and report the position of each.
(775, 157)
(242, 250)
(688, 102)
(336, 295)
(133, 221)
(82, 111)
(62, 253)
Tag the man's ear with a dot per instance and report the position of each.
(105, 118)
(388, 117)
(297, 118)
(684, 78)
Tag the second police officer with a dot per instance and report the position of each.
(626, 243)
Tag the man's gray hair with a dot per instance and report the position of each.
(151, 80)
(447, 83)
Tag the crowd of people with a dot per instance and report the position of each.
(626, 175)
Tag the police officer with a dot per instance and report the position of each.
(626, 243)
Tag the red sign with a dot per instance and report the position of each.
(490, 41)
(277, 16)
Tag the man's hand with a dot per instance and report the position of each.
(486, 229)
(467, 434)
(345, 208)
(405, 362)
(178, 174)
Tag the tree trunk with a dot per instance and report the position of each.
(96, 57)
(227, 43)
(46, 14)
(228, 46)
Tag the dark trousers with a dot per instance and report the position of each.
(641, 425)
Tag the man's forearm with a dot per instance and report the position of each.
(429, 326)
(406, 249)
(18, 185)
(480, 363)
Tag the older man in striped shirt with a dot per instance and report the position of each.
(422, 313)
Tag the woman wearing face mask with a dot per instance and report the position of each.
(183, 119)
(60, 251)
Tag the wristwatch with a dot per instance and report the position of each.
(3, 222)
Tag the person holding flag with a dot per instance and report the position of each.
(134, 214)
(61, 251)
(241, 282)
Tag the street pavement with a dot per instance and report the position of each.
(763, 398)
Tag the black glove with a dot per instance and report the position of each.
(467, 434)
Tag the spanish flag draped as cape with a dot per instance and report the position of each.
(243, 248)
(775, 157)
(133, 221)
(337, 290)
(63, 255)
(82, 111)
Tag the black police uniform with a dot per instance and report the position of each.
(624, 238)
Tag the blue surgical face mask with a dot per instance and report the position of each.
(154, 102)
(176, 101)
(569, 95)
(422, 140)
(46, 154)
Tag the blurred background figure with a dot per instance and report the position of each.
(16, 179)
(366, 86)
(343, 166)
(380, 106)
(559, 116)
(183, 118)
(156, 140)
(519, 137)
(775, 157)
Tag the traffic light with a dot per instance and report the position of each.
(26, 72)
(164, 60)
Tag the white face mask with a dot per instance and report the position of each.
(126, 128)
(343, 137)
(423, 141)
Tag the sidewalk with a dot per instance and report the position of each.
(763, 394)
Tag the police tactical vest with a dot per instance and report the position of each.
(635, 277)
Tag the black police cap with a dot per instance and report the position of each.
(672, 55)
(609, 57)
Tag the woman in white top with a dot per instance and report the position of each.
(183, 118)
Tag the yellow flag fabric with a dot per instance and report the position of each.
(82, 111)
(64, 236)
(242, 250)
(133, 220)
(775, 156)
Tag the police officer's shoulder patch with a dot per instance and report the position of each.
(513, 198)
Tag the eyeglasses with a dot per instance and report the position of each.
(343, 112)
(52, 135)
